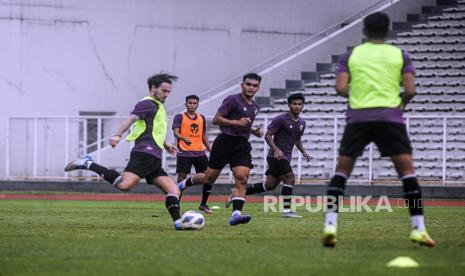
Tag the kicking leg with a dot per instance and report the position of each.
(121, 182)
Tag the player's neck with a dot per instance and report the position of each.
(190, 114)
(247, 99)
(294, 117)
(376, 41)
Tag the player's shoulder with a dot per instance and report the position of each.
(283, 117)
(232, 97)
(146, 104)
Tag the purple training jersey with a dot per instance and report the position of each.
(286, 132)
(177, 123)
(146, 110)
(235, 107)
(394, 115)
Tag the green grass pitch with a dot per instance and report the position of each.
(137, 238)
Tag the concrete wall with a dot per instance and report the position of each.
(60, 57)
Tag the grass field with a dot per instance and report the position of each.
(137, 238)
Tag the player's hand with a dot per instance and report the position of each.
(171, 149)
(186, 140)
(242, 121)
(306, 156)
(278, 154)
(258, 132)
(114, 140)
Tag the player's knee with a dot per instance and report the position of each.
(123, 187)
(270, 186)
(209, 179)
(242, 179)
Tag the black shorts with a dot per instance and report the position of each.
(277, 167)
(184, 164)
(391, 139)
(232, 150)
(145, 166)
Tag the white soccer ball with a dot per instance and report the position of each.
(193, 220)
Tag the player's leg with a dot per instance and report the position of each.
(273, 173)
(241, 176)
(270, 184)
(219, 157)
(167, 185)
(287, 190)
(412, 194)
(201, 164)
(354, 140)
(121, 182)
(183, 167)
(394, 142)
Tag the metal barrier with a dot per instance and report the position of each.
(39, 147)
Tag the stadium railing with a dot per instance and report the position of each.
(37, 148)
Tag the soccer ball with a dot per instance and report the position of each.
(193, 220)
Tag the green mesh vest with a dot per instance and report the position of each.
(375, 76)
(160, 124)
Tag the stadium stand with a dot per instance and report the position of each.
(436, 41)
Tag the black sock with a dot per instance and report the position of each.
(207, 188)
(412, 195)
(172, 204)
(255, 189)
(108, 175)
(336, 189)
(189, 182)
(286, 192)
(238, 203)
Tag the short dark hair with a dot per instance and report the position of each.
(376, 25)
(158, 79)
(295, 96)
(252, 76)
(194, 97)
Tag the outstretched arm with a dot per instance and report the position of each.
(124, 126)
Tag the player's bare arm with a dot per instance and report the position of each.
(178, 136)
(408, 82)
(342, 84)
(278, 154)
(205, 141)
(125, 125)
(222, 121)
(170, 148)
(301, 148)
(257, 131)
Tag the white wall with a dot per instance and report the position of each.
(62, 57)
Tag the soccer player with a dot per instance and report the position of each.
(150, 119)
(190, 129)
(369, 76)
(235, 117)
(283, 133)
